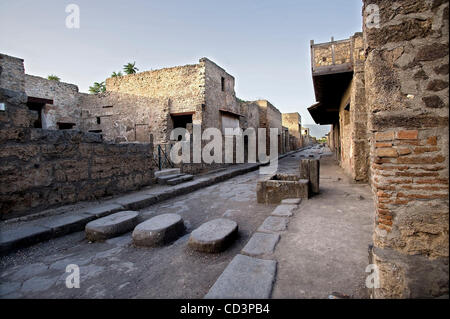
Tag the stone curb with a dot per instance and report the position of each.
(48, 227)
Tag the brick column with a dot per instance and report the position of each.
(406, 84)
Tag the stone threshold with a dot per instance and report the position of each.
(20, 233)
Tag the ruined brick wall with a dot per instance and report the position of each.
(345, 133)
(358, 113)
(65, 100)
(332, 53)
(183, 87)
(270, 117)
(44, 168)
(293, 122)
(125, 117)
(406, 84)
(12, 93)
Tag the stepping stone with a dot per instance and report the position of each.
(261, 244)
(158, 230)
(111, 226)
(284, 210)
(245, 278)
(213, 236)
(291, 201)
(273, 224)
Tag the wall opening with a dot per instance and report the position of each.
(222, 83)
(98, 120)
(65, 126)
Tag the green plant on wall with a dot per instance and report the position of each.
(116, 74)
(130, 68)
(53, 77)
(97, 87)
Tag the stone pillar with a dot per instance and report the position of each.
(406, 90)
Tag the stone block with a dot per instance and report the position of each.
(213, 236)
(275, 188)
(284, 210)
(245, 278)
(261, 244)
(273, 224)
(158, 230)
(111, 226)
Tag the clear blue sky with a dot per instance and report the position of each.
(263, 44)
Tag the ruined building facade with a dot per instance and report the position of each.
(43, 168)
(390, 127)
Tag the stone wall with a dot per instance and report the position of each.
(43, 168)
(293, 122)
(406, 90)
(65, 97)
(46, 168)
(125, 117)
(270, 117)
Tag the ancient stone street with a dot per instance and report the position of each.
(116, 268)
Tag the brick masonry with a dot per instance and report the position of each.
(406, 80)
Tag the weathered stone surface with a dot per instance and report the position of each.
(104, 210)
(158, 230)
(275, 188)
(180, 179)
(273, 224)
(111, 226)
(260, 244)
(284, 210)
(314, 175)
(136, 201)
(433, 102)
(291, 201)
(246, 278)
(166, 172)
(213, 236)
(23, 236)
(62, 225)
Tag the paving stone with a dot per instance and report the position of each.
(245, 278)
(213, 236)
(179, 180)
(261, 244)
(61, 225)
(169, 171)
(7, 288)
(137, 201)
(23, 236)
(158, 230)
(165, 178)
(273, 224)
(104, 210)
(37, 284)
(284, 210)
(28, 271)
(111, 226)
(291, 201)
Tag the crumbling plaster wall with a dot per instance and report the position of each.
(406, 84)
